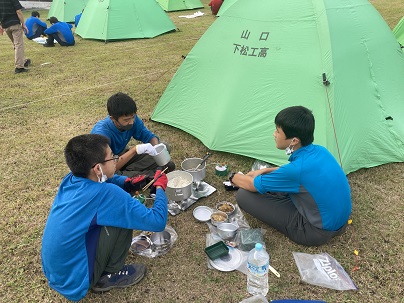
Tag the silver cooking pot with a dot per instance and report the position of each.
(179, 186)
(189, 166)
(162, 157)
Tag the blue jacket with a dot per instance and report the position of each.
(81, 207)
(119, 139)
(32, 24)
(315, 183)
(63, 30)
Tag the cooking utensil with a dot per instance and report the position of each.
(226, 230)
(273, 270)
(189, 165)
(179, 186)
(162, 157)
(203, 160)
(154, 180)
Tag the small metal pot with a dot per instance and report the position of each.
(139, 244)
(189, 166)
(179, 192)
(162, 157)
(161, 240)
(227, 231)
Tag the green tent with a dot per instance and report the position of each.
(398, 31)
(179, 5)
(118, 20)
(66, 10)
(225, 5)
(338, 58)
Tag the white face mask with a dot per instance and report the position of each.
(103, 177)
(289, 150)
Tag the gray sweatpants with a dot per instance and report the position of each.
(278, 211)
(112, 250)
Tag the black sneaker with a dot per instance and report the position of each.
(20, 70)
(129, 275)
(27, 62)
(48, 45)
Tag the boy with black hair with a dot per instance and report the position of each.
(307, 199)
(89, 229)
(120, 126)
(59, 31)
(36, 26)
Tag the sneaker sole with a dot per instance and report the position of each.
(100, 290)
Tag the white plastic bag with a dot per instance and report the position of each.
(323, 270)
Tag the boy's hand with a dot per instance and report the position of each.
(135, 183)
(161, 181)
(146, 148)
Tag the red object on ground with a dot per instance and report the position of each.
(215, 6)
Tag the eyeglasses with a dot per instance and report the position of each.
(114, 157)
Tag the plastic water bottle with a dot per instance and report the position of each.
(257, 266)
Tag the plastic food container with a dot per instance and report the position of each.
(217, 250)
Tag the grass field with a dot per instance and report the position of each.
(65, 93)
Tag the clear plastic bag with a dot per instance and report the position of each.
(323, 270)
(258, 164)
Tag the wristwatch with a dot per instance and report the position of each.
(231, 175)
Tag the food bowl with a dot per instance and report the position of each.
(202, 213)
(227, 231)
(218, 217)
(226, 207)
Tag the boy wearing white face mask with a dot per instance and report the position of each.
(89, 229)
(307, 199)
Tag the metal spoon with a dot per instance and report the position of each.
(203, 161)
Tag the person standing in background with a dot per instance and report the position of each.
(12, 22)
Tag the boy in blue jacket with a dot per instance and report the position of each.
(35, 26)
(59, 31)
(308, 199)
(89, 229)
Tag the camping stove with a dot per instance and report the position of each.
(199, 190)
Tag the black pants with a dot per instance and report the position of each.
(112, 250)
(52, 37)
(143, 164)
(38, 32)
(277, 210)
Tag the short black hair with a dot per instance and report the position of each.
(53, 20)
(297, 121)
(121, 104)
(83, 151)
(35, 14)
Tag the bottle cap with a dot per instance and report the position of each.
(258, 246)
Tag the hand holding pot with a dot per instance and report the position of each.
(146, 148)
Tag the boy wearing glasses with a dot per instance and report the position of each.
(120, 126)
(89, 229)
